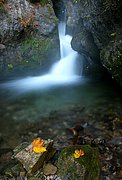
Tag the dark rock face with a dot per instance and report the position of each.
(59, 9)
(28, 35)
(17, 15)
(103, 20)
(85, 44)
(111, 57)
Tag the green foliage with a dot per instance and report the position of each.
(10, 66)
(43, 2)
(35, 49)
(119, 55)
(113, 36)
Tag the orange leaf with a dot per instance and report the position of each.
(37, 142)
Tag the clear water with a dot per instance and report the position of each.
(25, 101)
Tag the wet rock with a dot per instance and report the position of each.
(49, 169)
(80, 168)
(111, 57)
(86, 45)
(29, 34)
(5, 158)
(53, 177)
(18, 170)
(103, 20)
(116, 141)
(12, 21)
(2, 46)
(32, 161)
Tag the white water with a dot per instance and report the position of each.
(61, 73)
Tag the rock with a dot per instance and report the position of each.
(86, 45)
(91, 55)
(85, 167)
(2, 46)
(111, 57)
(103, 19)
(24, 14)
(116, 140)
(5, 158)
(30, 38)
(49, 169)
(32, 161)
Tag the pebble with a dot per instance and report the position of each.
(52, 177)
(49, 169)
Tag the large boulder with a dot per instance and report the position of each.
(111, 57)
(28, 37)
(17, 16)
(83, 43)
(102, 19)
(85, 167)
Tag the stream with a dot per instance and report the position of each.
(46, 106)
(27, 101)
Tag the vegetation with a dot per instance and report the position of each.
(84, 167)
(25, 22)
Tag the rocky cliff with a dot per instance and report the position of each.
(97, 32)
(28, 36)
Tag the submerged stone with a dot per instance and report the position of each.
(85, 167)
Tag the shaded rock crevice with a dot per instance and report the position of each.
(103, 19)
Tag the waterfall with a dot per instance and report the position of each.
(61, 73)
(67, 64)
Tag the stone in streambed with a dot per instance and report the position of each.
(32, 161)
(85, 167)
(49, 169)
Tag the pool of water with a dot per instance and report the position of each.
(31, 106)
(20, 111)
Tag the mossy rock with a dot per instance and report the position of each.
(84, 168)
(111, 58)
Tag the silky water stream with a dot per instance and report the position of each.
(47, 105)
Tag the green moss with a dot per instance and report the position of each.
(113, 36)
(35, 49)
(86, 167)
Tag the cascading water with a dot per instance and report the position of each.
(62, 72)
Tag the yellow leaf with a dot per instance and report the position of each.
(39, 149)
(78, 153)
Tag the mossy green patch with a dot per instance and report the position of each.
(35, 49)
(86, 167)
